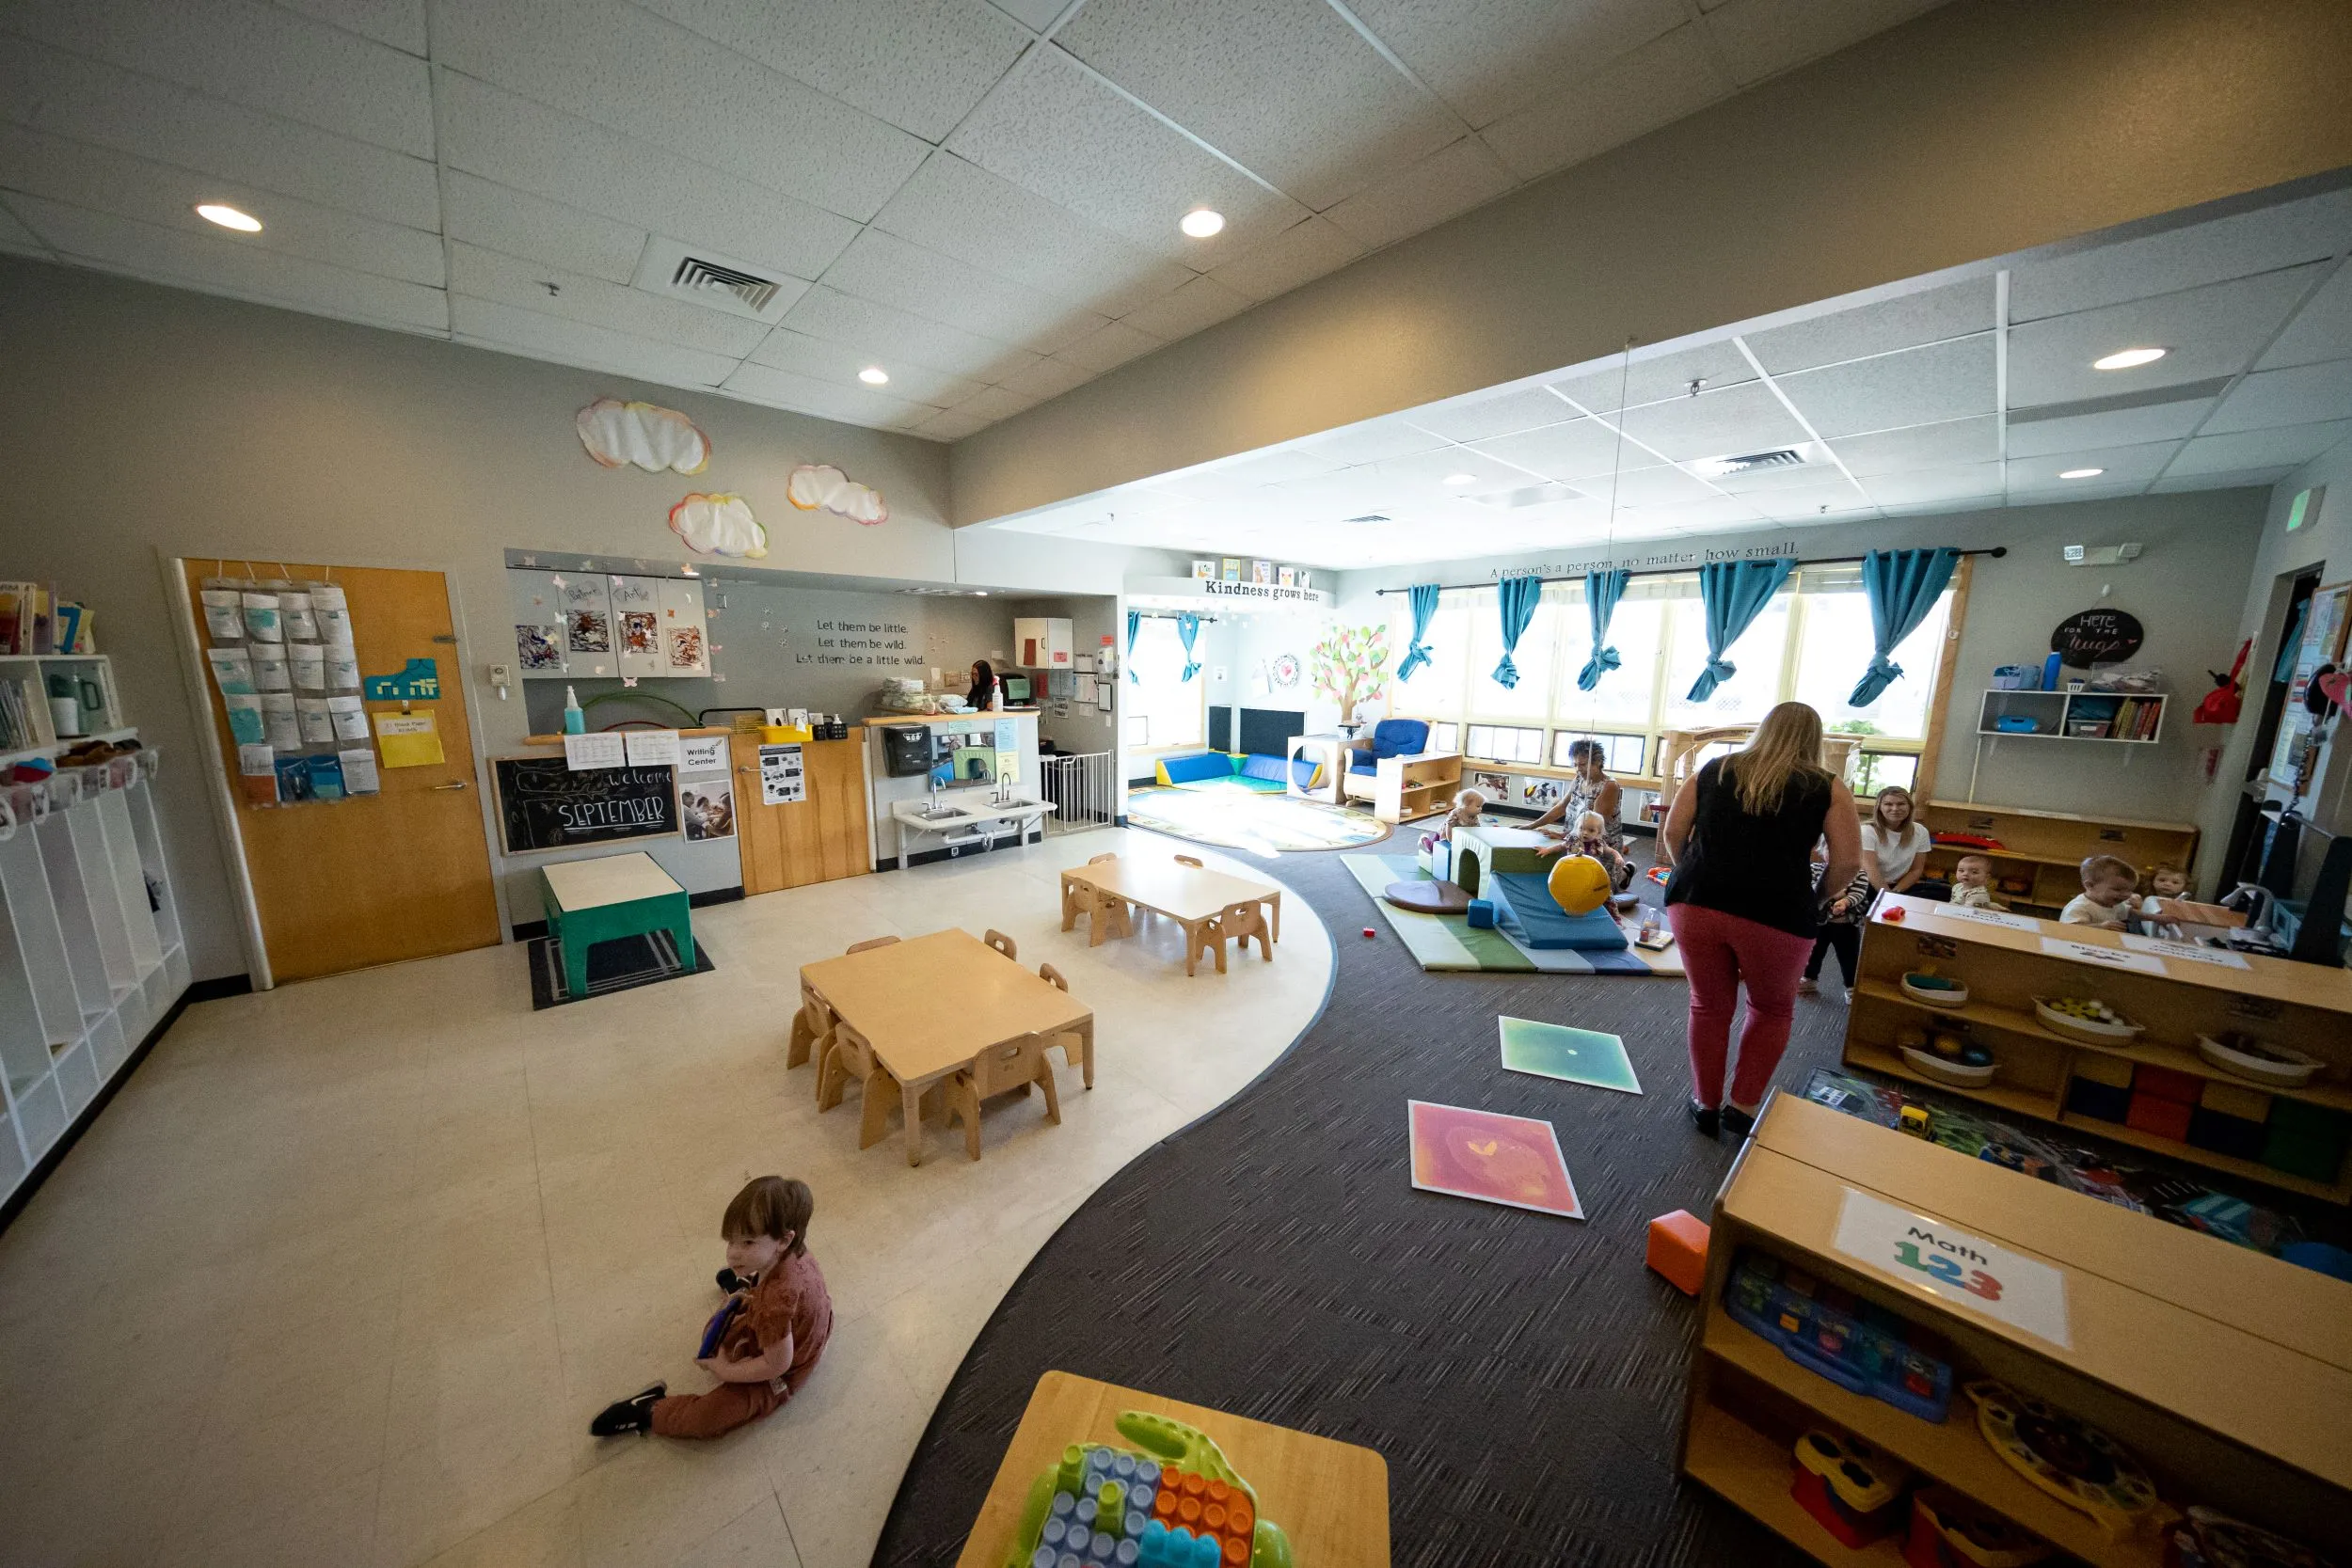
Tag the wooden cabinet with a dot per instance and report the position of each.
(819, 839)
(2042, 851)
(1404, 788)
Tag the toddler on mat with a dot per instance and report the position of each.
(769, 1334)
(1467, 806)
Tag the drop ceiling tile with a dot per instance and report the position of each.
(509, 281)
(2321, 330)
(1299, 254)
(108, 182)
(1965, 482)
(485, 324)
(1422, 477)
(1286, 87)
(887, 269)
(1422, 195)
(1370, 442)
(261, 56)
(922, 65)
(1048, 378)
(1920, 386)
(828, 399)
(1764, 38)
(950, 424)
(820, 360)
(976, 218)
(1108, 346)
(2173, 483)
(1672, 75)
(2098, 490)
(1036, 15)
(515, 142)
(1477, 417)
(1927, 445)
(1203, 302)
(86, 100)
(2210, 331)
(893, 335)
(993, 404)
(2306, 394)
(1578, 450)
(1053, 128)
(223, 265)
(1734, 419)
(647, 79)
(1596, 388)
(2200, 253)
(2117, 427)
(1932, 315)
(2131, 466)
(499, 217)
(398, 23)
(1486, 58)
(16, 237)
(1662, 486)
(2284, 446)
(1809, 502)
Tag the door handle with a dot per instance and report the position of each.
(453, 783)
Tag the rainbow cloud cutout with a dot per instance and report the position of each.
(617, 433)
(819, 484)
(719, 525)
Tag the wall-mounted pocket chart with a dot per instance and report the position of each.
(283, 664)
(592, 624)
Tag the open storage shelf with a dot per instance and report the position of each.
(2046, 849)
(2073, 715)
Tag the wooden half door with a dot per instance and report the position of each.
(814, 840)
(404, 873)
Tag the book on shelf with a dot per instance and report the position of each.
(18, 601)
(19, 722)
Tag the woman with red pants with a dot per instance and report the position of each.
(1741, 836)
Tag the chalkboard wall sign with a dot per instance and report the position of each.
(2096, 637)
(544, 805)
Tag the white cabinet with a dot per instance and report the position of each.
(1041, 642)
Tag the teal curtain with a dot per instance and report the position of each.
(1902, 586)
(1734, 594)
(1423, 598)
(1517, 596)
(1188, 627)
(1135, 624)
(1602, 590)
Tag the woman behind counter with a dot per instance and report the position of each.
(982, 697)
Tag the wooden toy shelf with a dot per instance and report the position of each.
(2049, 846)
(2228, 1373)
(2005, 967)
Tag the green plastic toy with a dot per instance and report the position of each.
(1178, 1499)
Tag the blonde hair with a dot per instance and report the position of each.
(1469, 799)
(1786, 748)
(2165, 868)
(1878, 813)
(1597, 827)
(2103, 869)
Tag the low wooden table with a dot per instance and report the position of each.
(1190, 895)
(613, 896)
(1331, 1499)
(931, 1004)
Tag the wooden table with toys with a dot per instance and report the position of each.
(1191, 1487)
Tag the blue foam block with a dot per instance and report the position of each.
(1255, 767)
(1542, 924)
(1203, 764)
(1482, 914)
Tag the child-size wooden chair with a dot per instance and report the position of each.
(1003, 944)
(870, 942)
(812, 1029)
(1073, 1047)
(1239, 922)
(850, 1055)
(1001, 1069)
(1099, 858)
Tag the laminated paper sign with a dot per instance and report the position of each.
(408, 739)
(1954, 1266)
(782, 781)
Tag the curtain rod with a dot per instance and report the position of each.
(1997, 552)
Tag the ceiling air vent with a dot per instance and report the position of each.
(1748, 463)
(1370, 518)
(720, 282)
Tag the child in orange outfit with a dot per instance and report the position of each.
(782, 1318)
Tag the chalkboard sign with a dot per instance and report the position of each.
(2096, 637)
(544, 805)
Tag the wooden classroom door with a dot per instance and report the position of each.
(813, 840)
(404, 873)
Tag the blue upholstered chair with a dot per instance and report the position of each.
(1390, 737)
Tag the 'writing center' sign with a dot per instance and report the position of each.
(544, 805)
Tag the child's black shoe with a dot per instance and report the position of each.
(634, 1413)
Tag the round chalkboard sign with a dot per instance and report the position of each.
(2096, 637)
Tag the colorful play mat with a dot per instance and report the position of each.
(1448, 942)
(1236, 813)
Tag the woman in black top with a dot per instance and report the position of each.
(983, 687)
(1740, 836)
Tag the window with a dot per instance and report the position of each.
(1164, 709)
(1757, 658)
(1833, 650)
(1504, 743)
(1624, 696)
(1435, 690)
(1531, 697)
(1445, 738)
(1620, 753)
(1877, 770)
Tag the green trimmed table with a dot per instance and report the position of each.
(613, 896)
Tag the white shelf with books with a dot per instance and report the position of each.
(2118, 718)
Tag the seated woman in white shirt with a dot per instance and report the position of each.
(1894, 845)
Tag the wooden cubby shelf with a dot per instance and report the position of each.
(2047, 847)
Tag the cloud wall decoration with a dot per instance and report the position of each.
(818, 486)
(655, 438)
(719, 525)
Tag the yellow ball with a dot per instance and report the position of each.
(1579, 885)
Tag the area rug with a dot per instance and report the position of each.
(1448, 942)
(1232, 817)
(621, 964)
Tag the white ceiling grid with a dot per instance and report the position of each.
(1933, 400)
(981, 198)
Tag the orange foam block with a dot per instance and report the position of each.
(1677, 1250)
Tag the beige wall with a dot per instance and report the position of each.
(146, 422)
(1984, 128)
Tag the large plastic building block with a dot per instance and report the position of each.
(1177, 1504)
(1677, 1250)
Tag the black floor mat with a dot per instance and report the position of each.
(621, 964)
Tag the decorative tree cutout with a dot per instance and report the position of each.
(1352, 666)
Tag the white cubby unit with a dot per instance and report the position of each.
(91, 954)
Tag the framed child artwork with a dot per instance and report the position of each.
(1233, 568)
(1261, 571)
(1204, 570)
(1287, 577)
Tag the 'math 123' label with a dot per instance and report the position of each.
(1977, 1276)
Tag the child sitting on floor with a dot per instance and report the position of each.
(775, 1326)
(1972, 877)
(2108, 885)
(1467, 806)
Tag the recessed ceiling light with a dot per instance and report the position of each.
(1201, 223)
(2082, 473)
(2125, 358)
(227, 217)
(1461, 479)
(874, 375)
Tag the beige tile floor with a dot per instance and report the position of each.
(345, 1268)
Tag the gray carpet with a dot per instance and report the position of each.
(1521, 1374)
